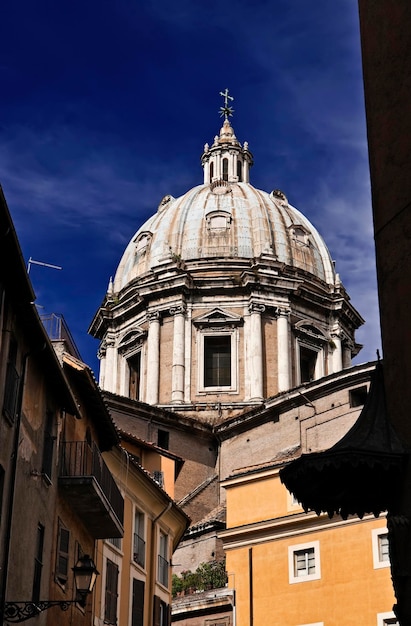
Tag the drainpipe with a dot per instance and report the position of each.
(12, 487)
(153, 560)
(233, 604)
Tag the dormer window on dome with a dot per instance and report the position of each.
(218, 222)
(143, 243)
(300, 234)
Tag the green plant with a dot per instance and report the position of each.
(207, 576)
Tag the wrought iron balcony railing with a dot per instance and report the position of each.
(139, 550)
(163, 570)
(91, 489)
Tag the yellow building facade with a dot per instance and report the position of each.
(134, 588)
(290, 568)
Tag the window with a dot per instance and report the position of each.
(380, 548)
(158, 476)
(63, 543)
(115, 541)
(161, 613)
(311, 349)
(225, 169)
(217, 349)
(300, 235)
(163, 439)
(308, 361)
(139, 545)
(358, 396)
(134, 364)
(387, 619)
(217, 361)
(110, 597)
(38, 563)
(163, 564)
(239, 171)
(137, 611)
(304, 562)
(142, 244)
(48, 446)
(11, 386)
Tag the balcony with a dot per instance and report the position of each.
(90, 489)
(163, 568)
(139, 550)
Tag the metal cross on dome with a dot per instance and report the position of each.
(226, 110)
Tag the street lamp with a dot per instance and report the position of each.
(85, 574)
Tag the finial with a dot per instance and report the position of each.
(226, 111)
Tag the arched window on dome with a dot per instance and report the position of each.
(211, 171)
(225, 169)
(239, 171)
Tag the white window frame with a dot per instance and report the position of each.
(375, 536)
(165, 556)
(292, 578)
(213, 332)
(313, 624)
(138, 513)
(387, 619)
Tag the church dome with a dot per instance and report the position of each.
(226, 218)
(225, 296)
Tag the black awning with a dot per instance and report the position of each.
(361, 473)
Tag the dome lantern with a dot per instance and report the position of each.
(226, 159)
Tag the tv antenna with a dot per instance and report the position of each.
(33, 262)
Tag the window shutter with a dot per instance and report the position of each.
(62, 554)
(137, 616)
(157, 611)
(110, 604)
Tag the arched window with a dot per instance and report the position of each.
(239, 171)
(211, 171)
(225, 169)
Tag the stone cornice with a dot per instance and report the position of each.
(288, 526)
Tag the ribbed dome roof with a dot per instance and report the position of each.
(228, 220)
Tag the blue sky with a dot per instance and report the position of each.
(105, 108)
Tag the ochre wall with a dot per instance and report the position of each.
(350, 591)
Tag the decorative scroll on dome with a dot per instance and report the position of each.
(165, 202)
(280, 196)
